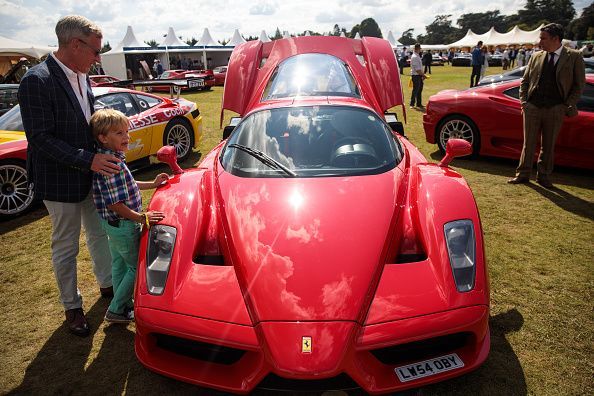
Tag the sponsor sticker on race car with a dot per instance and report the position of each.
(429, 367)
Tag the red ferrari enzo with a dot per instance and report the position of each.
(314, 248)
(489, 117)
(199, 79)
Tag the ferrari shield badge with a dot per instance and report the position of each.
(305, 344)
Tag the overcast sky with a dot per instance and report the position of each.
(34, 20)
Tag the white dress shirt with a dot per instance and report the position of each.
(78, 81)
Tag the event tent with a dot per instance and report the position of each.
(12, 50)
(494, 38)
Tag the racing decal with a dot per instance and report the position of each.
(137, 122)
(135, 145)
(305, 344)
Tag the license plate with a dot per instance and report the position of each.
(195, 83)
(437, 365)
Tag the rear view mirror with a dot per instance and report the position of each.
(395, 125)
(231, 127)
(455, 148)
(168, 155)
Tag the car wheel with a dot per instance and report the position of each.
(179, 133)
(458, 127)
(15, 195)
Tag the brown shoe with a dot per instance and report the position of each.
(77, 323)
(519, 180)
(545, 183)
(106, 292)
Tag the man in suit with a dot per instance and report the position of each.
(56, 105)
(551, 87)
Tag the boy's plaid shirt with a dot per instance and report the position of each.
(120, 187)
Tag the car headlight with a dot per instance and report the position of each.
(461, 245)
(158, 257)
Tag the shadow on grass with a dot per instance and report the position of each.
(501, 373)
(566, 201)
(60, 366)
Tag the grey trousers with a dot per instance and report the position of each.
(546, 124)
(66, 225)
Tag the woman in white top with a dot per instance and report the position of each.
(486, 57)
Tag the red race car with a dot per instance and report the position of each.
(220, 72)
(489, 117)
(199, 80)
(314, 247)
(103, 80)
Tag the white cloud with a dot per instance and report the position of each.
(263, 8)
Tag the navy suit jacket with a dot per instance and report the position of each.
(60, 143)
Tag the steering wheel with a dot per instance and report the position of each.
(353, 152)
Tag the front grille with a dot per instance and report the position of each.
(199, 350)
(342, 382)
(421, 350)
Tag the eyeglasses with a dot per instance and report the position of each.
(96, 52)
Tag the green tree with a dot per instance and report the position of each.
(440, 31)
(152, 43)
(277, 34)
(354, 30)
(407, 37)
(106, 47)
(370, 28)
(579, 27)
(191, 42)
(546, 11)
(481, 22)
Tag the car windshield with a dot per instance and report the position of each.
(311, 75)
(11, 120)
(311, 141)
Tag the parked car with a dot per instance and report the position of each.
(462, 59)
(436, 60)
(495, 59)
(201, 80)
(153, 122)
(220, 72)
(489, 117)
(314, 246)
(102, 80)
(519, 72)
(8, 97)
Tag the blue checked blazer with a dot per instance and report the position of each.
(60, 143)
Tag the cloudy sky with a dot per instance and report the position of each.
(34, 20)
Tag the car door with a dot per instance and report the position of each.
(506, 119)
(139, 126)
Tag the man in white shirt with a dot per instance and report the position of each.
(416, 71)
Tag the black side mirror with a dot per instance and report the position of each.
(395, 125)
(231, 127)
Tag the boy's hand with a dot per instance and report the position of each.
(105, 164)
(154, 217)
(161, 179)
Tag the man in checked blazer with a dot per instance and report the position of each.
(552, 84)
(56, 105)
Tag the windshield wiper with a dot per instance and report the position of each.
(264, 158)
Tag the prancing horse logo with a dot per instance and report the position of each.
(305, 344)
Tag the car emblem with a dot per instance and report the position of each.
(305, 344)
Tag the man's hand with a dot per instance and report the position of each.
(160, 179)
(154, 216)
(105, 164)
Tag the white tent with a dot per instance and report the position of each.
(172, 40)
(393, 42)
(12, 50)
(236, 39)
(493, 37)
(114, 61)
(264, 37)
(206, 40)
(357, 36)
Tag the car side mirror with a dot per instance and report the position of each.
(395, 125)
(231, 127)
(455, 148)
(168, 155)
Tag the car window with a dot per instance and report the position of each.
(312, 141)
(11, 120)
(121, 101)
(8, 98)
(311, 75)
(586, 102)
(513, 92)
(145, 102)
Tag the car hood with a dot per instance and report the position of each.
(308, 248)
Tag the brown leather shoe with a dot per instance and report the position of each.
(519, 180)
(77, 323)
(106, 292)
(545, 183)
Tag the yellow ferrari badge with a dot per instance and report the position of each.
(305, 344)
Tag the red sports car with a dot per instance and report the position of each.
(315, 247)
(199, 79)
(102, 80)
(490, 118)
(220, 73)
(153, 123)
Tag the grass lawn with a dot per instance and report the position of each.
(540, 252)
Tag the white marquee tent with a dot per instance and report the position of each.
(492, 37)
(12, 50)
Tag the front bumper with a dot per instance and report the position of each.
(249, 360)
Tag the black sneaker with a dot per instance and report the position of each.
(117, 318)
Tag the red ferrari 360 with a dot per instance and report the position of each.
(314, 247)
(198, 80)
(490, 118)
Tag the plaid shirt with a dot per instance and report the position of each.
(120, 187)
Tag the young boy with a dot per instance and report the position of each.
(119, 203)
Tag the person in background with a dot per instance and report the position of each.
(505, 59)
(56, 105)
(427, 59)
(450, 56)
(550, 89)
(402, 60)
(513, 53)
(486, 58)
(521, 57)
(119, 203)
(476, 63)
(417, 75)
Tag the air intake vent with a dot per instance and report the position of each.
(210, 260)
(421, 350)
(342, 382)
(199, 350)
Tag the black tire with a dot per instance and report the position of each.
(460, 127)
(16, 197)
(179, 133)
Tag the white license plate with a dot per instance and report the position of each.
(437, 365)
(195, 83)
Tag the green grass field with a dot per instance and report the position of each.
(540, 252)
